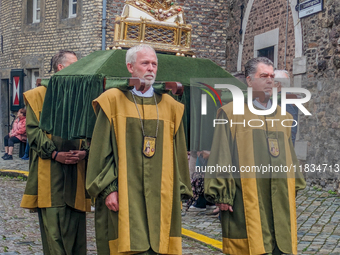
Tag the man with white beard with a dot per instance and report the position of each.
(138, 168)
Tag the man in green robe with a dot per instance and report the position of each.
(257, 204)
(138, 168)
(56, 181)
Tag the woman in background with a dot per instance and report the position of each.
(17, 134)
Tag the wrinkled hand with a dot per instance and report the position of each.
(225, 207)
(111, 201)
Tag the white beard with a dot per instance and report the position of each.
(148, 82)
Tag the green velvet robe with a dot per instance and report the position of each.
(264, 204)
(50, 183)
(149, 189)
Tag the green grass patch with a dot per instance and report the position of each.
(332, 192)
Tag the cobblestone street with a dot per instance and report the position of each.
(318, 221)
(19, 231)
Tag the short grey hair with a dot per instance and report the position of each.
(283, 77)
(250, 67)
(131, 54)
(60, 58)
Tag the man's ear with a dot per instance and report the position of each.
(129, 67)
(60, 67)
(249, 81)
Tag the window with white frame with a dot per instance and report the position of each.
(34, 76)
(72, 8)
(36, 11)
(266, 45)
(69, 13)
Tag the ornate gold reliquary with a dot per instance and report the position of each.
(158, 23)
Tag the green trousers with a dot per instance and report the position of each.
(276, 251)
(63, 231)
(149, 252)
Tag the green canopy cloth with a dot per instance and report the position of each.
(67, 110)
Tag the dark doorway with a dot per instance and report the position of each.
(4, 110)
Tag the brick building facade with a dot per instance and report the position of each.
(268, 28)
(29, 44)
(28, 41)
(309, 48)
(208, 20)
(264, 28)
(321, 47)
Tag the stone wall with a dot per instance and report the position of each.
(208, 20)
(29, 45)
(321, 49)
(264, 16)
(321, 42)
(234, 36)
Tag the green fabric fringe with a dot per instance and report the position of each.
(67, 110)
